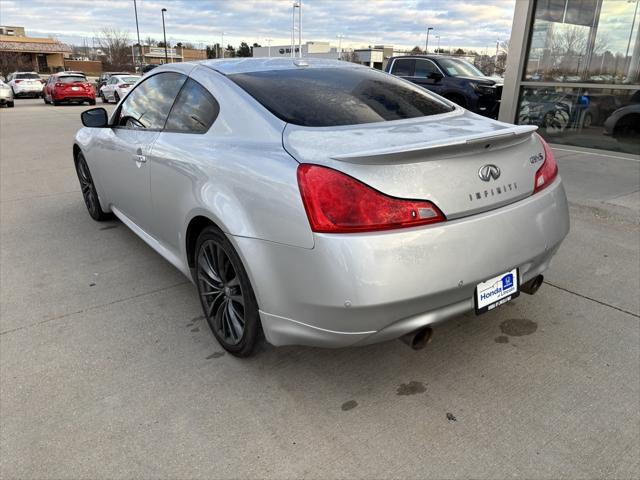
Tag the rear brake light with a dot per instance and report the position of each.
(125, 85)
(18, 81)
(59, 84)
(338, 203)
(549, 169)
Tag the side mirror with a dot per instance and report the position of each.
(95, 118)
(437, 76)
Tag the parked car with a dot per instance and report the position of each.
(625, 121)
(453, 78)
(65, 87)
(104, 78)
(117, 87)
(6, 95)
(25, 84)
(322, 202)
(148, 68)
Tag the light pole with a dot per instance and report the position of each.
(164, 33)
(135, 9)
(438, 49)
(268, 40)
(222, 44)
(340, 37)
(293, 28)
(426, 46)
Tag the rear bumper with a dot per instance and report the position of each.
(365, 288)
(27, 90)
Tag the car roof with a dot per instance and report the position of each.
(246, 65)
(430, 57)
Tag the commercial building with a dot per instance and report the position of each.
(574, 71)
(20, 52)
(374, 57)
(309, 49)
(156, 55)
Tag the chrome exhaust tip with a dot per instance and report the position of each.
(418, 339)
(532, 285)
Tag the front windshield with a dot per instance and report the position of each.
(459, 68)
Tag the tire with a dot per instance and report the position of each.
(587, 120)
(10, 104)
(92, 102)
(57, 102)
(116, 97)
(103, 98)
(44, 97)
(457, 99)
(88, 189)
(228, 302)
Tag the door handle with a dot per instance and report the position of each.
(140, 158)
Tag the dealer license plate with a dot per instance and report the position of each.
(496, 291)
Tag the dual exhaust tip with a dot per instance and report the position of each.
(418, 339)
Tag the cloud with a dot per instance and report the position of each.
(400, 23)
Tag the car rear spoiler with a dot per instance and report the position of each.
(417, 152)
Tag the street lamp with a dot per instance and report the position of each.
(426, 46)
(135, 9)
(268, 40)
(293, 27)
(340, 37)
(164, 32)
(222, 44)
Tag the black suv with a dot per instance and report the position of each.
(453, 78)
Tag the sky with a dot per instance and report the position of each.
(476, 24)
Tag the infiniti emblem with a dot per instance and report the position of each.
(488, 172)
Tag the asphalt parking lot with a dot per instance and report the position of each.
(107, 369)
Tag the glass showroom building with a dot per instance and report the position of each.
(574, 70)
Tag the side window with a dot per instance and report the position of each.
(404, 67)
(194, 111)
(111, 81)
(424, 68)
(148, 105)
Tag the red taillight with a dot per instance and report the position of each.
(125, 85)
(338, 203)
(59, 84)
(549, 169)
(18, 81)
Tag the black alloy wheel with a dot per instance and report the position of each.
(227, 298)
(88, 189)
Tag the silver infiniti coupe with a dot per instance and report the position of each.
(321, 202)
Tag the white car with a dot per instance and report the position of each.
(6, 95)
(117, 87)
(25, 84)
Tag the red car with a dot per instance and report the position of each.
(68, 87)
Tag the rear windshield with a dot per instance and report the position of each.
(27, 75)
(326, 97)
(129, 79)
(71, 79)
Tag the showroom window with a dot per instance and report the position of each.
(581, 80)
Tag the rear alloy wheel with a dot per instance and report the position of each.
(116, 97)
(89, 193)
(226, 295)
(104, 99)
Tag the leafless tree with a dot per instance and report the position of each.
(14, 61)
(115, 46)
